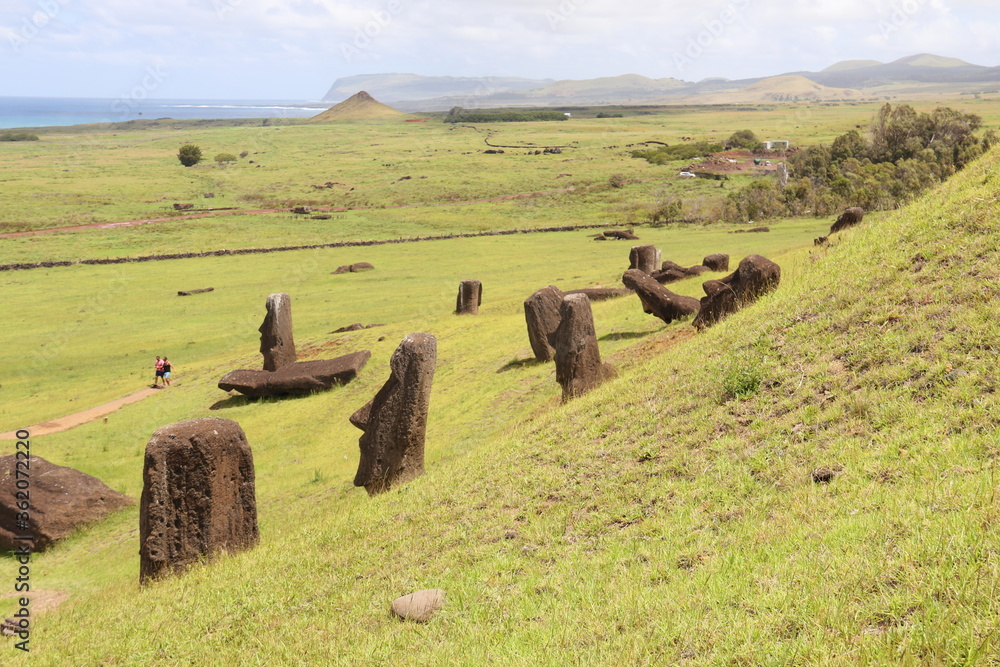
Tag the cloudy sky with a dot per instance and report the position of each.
(294, 49)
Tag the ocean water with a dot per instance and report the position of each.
(46, 111)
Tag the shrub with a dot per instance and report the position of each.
(189, 155)
(225, 157)
(745, 139)
(18, 136)
(617, 180)
(665, 212)
(742, 378)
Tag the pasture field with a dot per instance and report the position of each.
(670, 516)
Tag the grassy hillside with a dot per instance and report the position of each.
(672, 516)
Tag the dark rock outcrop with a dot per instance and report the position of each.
(658, 300)
(578, 359)
(541, 313)
(198, 497)
(276, 341)
(716, 262)
(395, 420)
(754, 277)
(646, 258)
(61, 500)
(848, 218)
(470, 297)
(301, 377)
(354, 268)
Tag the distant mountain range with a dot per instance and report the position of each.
(913, 76)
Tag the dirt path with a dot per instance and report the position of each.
(316, 209)
(93, 414)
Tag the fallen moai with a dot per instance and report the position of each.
(616, 235)
(646, 258)
(541, 313)
(601, 293)
(198, 497)
(578, 359)
(470, 297)
(61, 500)
(395, 420)
(354, 268)
(754, 277)
(301, 377)
(716, 262)
(848, 218)
(276, 341)
(189, 292)
(658, 300)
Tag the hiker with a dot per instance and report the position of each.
(166, 370)
(159, 371)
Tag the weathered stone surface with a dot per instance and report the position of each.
(619, 234)
(470, 297)
(658, 300)
(302, 210)
(601, 293)
(395, 420)
(420, 606)
(541, 312)
(716, 262)
(198, 495)
(754, 277)
(302, 377)
(183, 207)
(578, 359)
(61, 499)
(848, 218)
(696, 270)
(669, 275)
(276, 341)
(646, 258)
(354, 268)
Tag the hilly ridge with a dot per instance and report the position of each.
(674, 514)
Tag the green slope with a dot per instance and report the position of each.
(658, 520)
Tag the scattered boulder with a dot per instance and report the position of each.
(195, 291)
(716, 262)
(354, 268)
(420, 606)
(601, 293)
(301, 377)
(395, 420)
(209, 195)
(198, 496)
(578, 359)
(183, 207)
(696, 270)
(276, 342)
(357, 326)
(646, 258)
(658, 300)
(61, 500)
(302, 210)
(848, 218)
(754, 277)
(617, 235)
(541, 312)
(669, 275)
(754, 230)
(324, 216)
(470, 297)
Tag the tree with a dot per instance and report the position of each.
(745, 139)
(189, 155)
(225, 157)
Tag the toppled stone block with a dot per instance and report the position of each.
(716, 262)
(301, 377)
(658, 300)
(754, 277)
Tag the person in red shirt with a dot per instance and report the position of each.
(159, 372)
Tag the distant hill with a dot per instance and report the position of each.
(360, 106)
(924, 74)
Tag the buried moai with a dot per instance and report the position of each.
(754, 277)
(658, 300)
(276, 342)
(646, 258)
(470, 297)
(198, 496)
(578, 359)
(395, 420)
(541, 313)
(848, 218)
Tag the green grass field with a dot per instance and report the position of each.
(668, 517)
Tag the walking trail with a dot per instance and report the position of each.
(76, 419)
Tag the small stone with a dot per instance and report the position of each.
(823, 475)
(420, 606)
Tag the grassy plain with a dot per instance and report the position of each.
(661, 519)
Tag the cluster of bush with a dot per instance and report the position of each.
(18, 136)
(460, 115)
(190, 155)
(664, 154)
(902, 153)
